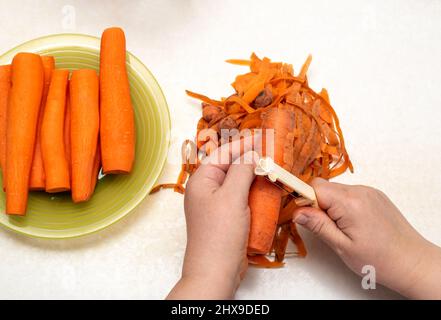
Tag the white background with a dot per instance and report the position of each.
(380, 61)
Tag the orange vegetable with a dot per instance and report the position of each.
(117, 126)
(307, 141)
(265, 198)
(52, 134)
(23, 113)
(264, 201)
(38, 179)
(67, 144)
(84, 90)
(5, 86)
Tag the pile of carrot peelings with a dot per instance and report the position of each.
(308, 142)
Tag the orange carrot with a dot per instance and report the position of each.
(52, 135)
(5, 86)
(38, 178)
(265, 198)
(264, 201)
(23, 111)
(117, 131)
(67, 144)
(84, 130)
(96, 167)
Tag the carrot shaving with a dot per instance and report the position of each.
(305, 67)
(241, 103)
(239, 62)
(203, 98)
(281, 242)
(295, 237)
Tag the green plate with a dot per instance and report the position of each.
(55, 216)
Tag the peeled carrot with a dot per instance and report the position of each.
(84, 130)
(5, 86)
(53, 152)
(23, 112)
(38, 178)
(67, 145)
(117, 126)
(265, 197)
(264, 201)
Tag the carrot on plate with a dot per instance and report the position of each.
(117, 125)
(38, 178)
(23, 110)
(67, 145)
(56, 167)
(84, 101)
(5, 86)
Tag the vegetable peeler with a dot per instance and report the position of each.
(267, 167)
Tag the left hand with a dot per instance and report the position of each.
(218, 222)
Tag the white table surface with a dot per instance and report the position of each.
(380, 61)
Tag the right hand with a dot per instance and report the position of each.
(364, 227)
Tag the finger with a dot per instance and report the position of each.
(319, 223)
(208, 177)
(223, 156)
(328, 193)
(240, 175)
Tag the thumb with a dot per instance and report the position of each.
(319, 223)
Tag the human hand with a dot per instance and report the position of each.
(218, 221)
(364, 227)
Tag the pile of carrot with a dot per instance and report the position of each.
(308, 142)
(58, 128)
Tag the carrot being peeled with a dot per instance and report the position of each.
(117, 125)
(53, 152)
(5, 86)
(37, 180)
(23, 112)
(265, 198)
(84, 131)
(264, 201)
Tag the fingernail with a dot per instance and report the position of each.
(301, 219)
